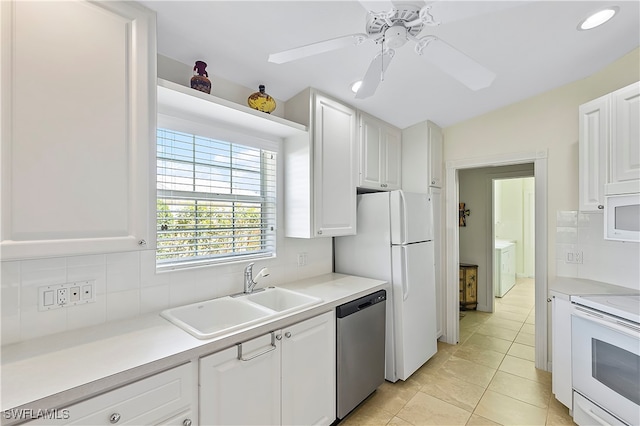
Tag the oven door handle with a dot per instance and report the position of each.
(619, 326)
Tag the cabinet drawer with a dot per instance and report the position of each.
(151, 401)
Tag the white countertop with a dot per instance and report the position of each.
(67, 367)
(580, 286)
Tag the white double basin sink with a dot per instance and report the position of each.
(223, 315)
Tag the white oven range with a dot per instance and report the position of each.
(605, 347)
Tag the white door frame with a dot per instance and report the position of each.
(539, 160)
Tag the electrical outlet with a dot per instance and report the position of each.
(62, 296)
(302, 259)
(574, 256)
(66, 295)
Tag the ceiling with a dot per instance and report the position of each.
(532, 46)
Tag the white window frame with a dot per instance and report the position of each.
(199, 126)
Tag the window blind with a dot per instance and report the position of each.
(215, 199)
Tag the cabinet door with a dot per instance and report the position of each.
(593, 153)
(392, 156)
(438, 226)
(335, 168)
(561, 348)
(435, 156)
(80, 117)
(309, 372)
(159, 399)
(370, 152)
(243, 391)
(625, 138)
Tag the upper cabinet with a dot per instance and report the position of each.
(320, 169)
(78, 125)
(625, 134)
(380, 154)
(609, 144)
(422, 157)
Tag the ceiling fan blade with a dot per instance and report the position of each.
(375, 73)
(455, 63)
(316, 48)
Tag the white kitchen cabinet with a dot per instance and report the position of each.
(504, 267)
(309, 372)
(245, 391)
(440, 267)
(609, 144)
(422, 173)
(78, 127)
(625, 136)
(422, 146)
(284, 377)
(561, 348)
(167, 398)
(380, 154)
(593, 148)
(321, 169)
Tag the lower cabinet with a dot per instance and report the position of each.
(561, 309)
(284, 377)
(167, 398)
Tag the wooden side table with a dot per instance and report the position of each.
(468, 286)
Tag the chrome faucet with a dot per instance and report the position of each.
(249, 281)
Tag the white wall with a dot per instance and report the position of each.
(127, 284)
(547, 122)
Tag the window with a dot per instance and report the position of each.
(216, 200)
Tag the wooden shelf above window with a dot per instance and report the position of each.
(175, 97)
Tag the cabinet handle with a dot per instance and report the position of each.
(114, 418)
(548, 299)
(142, 243)
(433, 182)
(600, 207)
(287, 334)
(279, 336)
(186, 422)
(320, 232)
(272, 347)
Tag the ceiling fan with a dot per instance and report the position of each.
(395, 25)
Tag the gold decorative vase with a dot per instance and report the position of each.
(262, 101)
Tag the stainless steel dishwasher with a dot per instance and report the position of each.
(360, 350)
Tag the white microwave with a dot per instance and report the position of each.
(622, 217)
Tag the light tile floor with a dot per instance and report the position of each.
(487, 379)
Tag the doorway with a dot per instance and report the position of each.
(538, 161)
(513, 233)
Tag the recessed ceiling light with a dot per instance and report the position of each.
(598, 18)
(356, 86)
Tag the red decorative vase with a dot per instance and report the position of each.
(200, 80)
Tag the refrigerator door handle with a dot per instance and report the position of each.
(405, 223)
(405, 279)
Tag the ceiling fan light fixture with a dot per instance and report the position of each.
(598, 18)
(356, 86)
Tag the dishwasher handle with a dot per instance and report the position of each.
(361, 303)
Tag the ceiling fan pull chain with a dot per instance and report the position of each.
(382, 62)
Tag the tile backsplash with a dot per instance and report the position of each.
(582, 251)
(127, 285)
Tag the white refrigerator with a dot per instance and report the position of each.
(394, 242)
